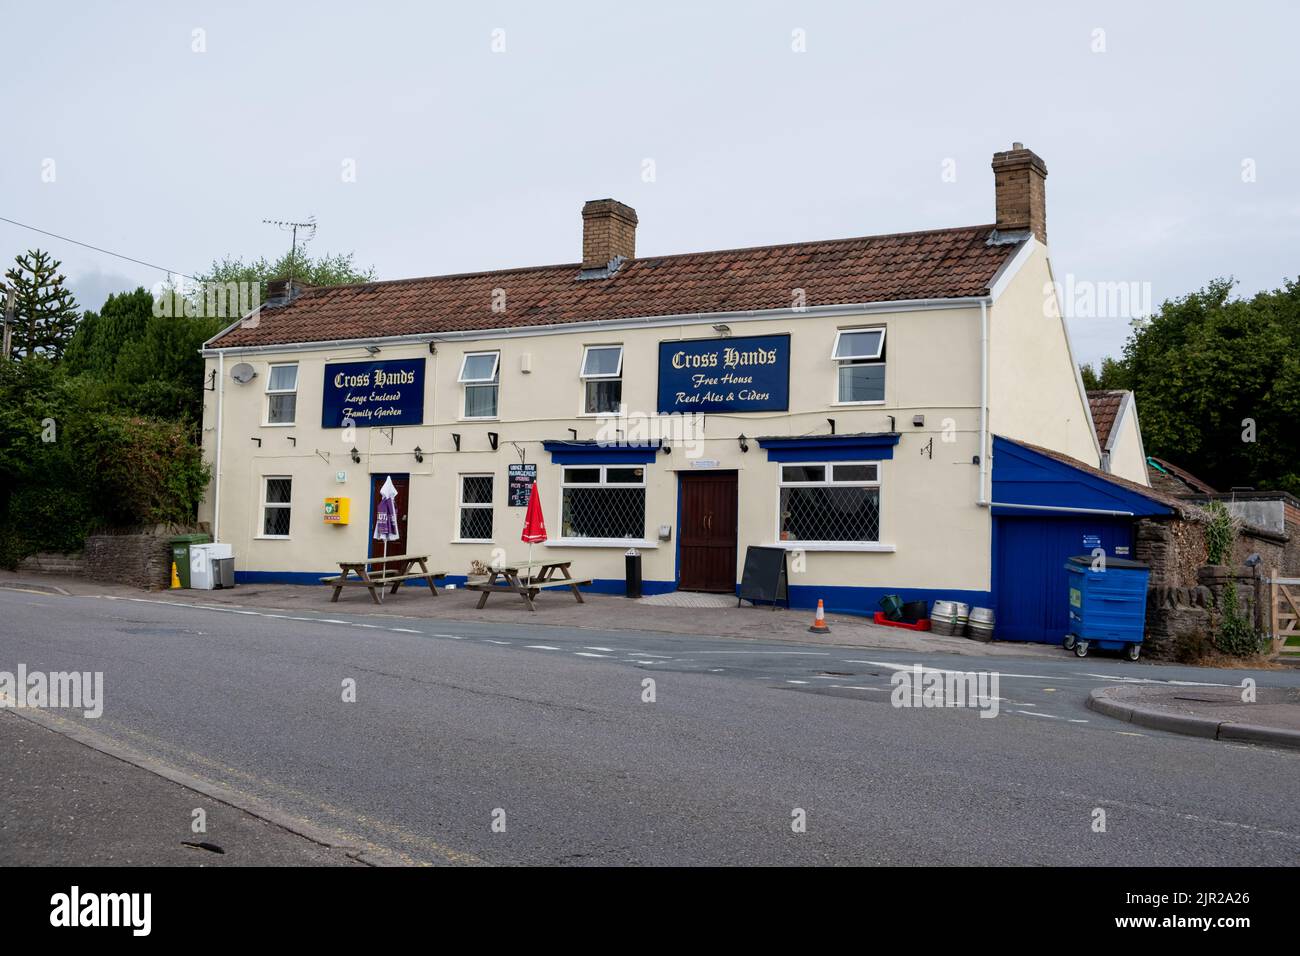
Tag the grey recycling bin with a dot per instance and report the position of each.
(223, 572)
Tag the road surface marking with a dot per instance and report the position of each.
(488, 640)
(404, 630)
(541, 647)
(586, 654)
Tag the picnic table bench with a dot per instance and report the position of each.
(374, 580)
(507, 579)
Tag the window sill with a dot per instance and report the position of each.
(848, 546)
(601, 543)
(272, 537)
(278, 424)
(850, 404)
(473, 541)
(489, 418)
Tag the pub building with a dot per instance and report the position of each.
(902, 413)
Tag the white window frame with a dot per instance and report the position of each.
(266, 405)
(462, 504)
(866, 359)
(830, 482)
(602, 482)
(287, 505)
(586, 377)
(467, 383)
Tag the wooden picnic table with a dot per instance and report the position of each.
(383, 577)
(507, 579)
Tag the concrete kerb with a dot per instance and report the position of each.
(1104, 700)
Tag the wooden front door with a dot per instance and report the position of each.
(708, 532)
(403, 485)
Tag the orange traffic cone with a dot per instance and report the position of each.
(819, 622)
(176, 578)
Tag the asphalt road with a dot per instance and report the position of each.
(457, 726)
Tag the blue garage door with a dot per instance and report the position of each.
(1030, 579)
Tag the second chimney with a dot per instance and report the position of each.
(1020, 184)
(608, 232)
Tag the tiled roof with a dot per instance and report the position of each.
(1189, 482)
(1105, 408)
(940, 264)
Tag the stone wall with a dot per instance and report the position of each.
(1183, 595)
(48, 562)
(138, 560)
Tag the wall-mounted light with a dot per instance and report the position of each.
(918, 421)
(419, 453)
(433, 349)
(668, 449)
(455, 438)
(831, 422)
(356, 455)
(722, 328)
(493, 438)
(372, 349)
(744, 443)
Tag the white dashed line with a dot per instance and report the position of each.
(541, 647)
(488, 640)
(404, 630)
(585, 654)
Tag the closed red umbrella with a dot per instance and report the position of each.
(534, 525)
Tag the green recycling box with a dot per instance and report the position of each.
(181, 554)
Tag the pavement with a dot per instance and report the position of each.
(67, 804)
(557, 608)
(1271, 715)
(453, 742)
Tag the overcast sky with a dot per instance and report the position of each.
(469, 159)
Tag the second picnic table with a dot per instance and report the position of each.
(383, 577)
(507, 579)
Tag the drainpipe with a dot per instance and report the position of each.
(983, 500)
(216, 487)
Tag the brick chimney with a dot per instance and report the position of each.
(1019, 181)
(608, 231)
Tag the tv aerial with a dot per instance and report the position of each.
(308, 229)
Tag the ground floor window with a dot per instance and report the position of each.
(476, 507)
(277, 496)
(603, 501)
(831, 501)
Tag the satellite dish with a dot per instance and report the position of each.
(243, 373)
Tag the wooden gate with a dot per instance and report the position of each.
(1284, 603)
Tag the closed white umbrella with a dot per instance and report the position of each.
(386, 518)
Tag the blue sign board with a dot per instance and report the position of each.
(750, 374)
(373, 394)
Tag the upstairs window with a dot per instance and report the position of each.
(602, 378)
(478, 374)
(860, 355)
(282, 395)
(834, 501)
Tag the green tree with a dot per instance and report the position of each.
(1113, 375)
(1217, 380)
(45, 312)
(338, 269)
(101, 336)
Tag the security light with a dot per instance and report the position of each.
(356, 455)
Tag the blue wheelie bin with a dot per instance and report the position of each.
(1108, 605)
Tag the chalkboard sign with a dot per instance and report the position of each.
(522, 479)
(765, 577)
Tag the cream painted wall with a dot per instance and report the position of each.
(1127, 458)
(1034, 390)
(929, 514)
